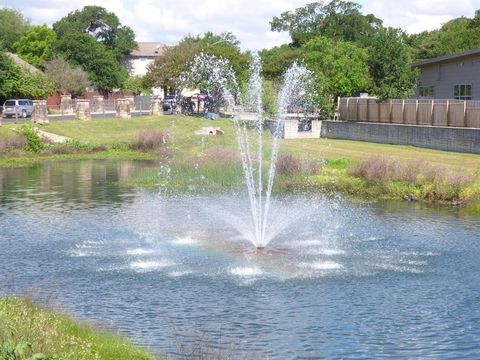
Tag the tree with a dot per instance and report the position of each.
(455, 36)
(137, 85)
(341, 65)
(94, 39)
(337, 20)
(278, 59)
(35, 46)
(68, 79)
(389, 63)
(104, 26)
(83, 50)
(12, 26)
(167, 69)
(17, 81)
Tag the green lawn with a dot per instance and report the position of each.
(113, 131)
(54, 334)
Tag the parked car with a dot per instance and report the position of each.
(18, 107)
(169, 103)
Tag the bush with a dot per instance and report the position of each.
(149, 140)
(34, 142)
(219, 155)
(13, 142)
(288, 164)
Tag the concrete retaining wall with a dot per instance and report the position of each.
(440, 138)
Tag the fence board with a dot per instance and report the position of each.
(440, 114)
(457, 114)
(372, 111)
(424, 113)
(397, 112)
(384, 112)
(362, 109)
(410, 110)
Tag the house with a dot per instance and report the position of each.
(145, 54)
(455, 76)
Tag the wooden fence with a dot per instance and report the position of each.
(455, 113)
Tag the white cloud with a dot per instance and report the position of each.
(168, 21)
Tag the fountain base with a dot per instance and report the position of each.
(260, 250)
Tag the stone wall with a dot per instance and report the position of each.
(440, 138)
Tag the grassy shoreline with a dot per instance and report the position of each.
(211, 162)
(57, 336)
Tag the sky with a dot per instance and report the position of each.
(168, 21)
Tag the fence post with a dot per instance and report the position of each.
(358, 109)
(403, 111)
(465, 113)
(390, 110)
(432, 112)
(368, 112)
(416, 112)
(448, 112)
(348, 110)
(378, 111)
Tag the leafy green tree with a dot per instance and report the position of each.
(341, 65)
(389, 64)
(137, 85)
(166, 70)
(278, 59)
(455, 36)
(94, 39)
(83, 50)
(35, 47)
(337, 20)
(101, 24)
(16, 81)
(13, 26)
(68, 79)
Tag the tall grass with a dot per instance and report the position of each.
(52, 333)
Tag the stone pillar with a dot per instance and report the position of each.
(156, 107)
(122, 106)
(98, 104)
(131, 99)
(82, 109)
(40, 112)
(66, 105)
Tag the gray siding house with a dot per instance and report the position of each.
(454, 76)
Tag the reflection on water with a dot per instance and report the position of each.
(351, 280)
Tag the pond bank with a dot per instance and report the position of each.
(57, 336)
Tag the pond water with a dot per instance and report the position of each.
(174, 273)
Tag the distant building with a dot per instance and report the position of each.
(455, 76)
(146, 53)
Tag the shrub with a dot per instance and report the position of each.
(150, 139)
(34, 142)
(13, 142)
(288, 164)
(373, 169)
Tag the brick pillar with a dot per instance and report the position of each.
(156, 106)
(82, 109)
(98, 104)
(66, 105)
(122, 107)
(40, 113)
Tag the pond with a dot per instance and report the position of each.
(174, 273)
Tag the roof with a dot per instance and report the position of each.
(149, 49)
(22, 63)
(447, 57)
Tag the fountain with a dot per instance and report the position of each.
(217, 77)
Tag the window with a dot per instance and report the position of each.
(304, 125)
(426, 91)
(462, 92)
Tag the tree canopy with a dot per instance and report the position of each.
(94, 39)
(337, 19)
(455, 36)
(12, 27)
(35, 46)
(167, 69)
